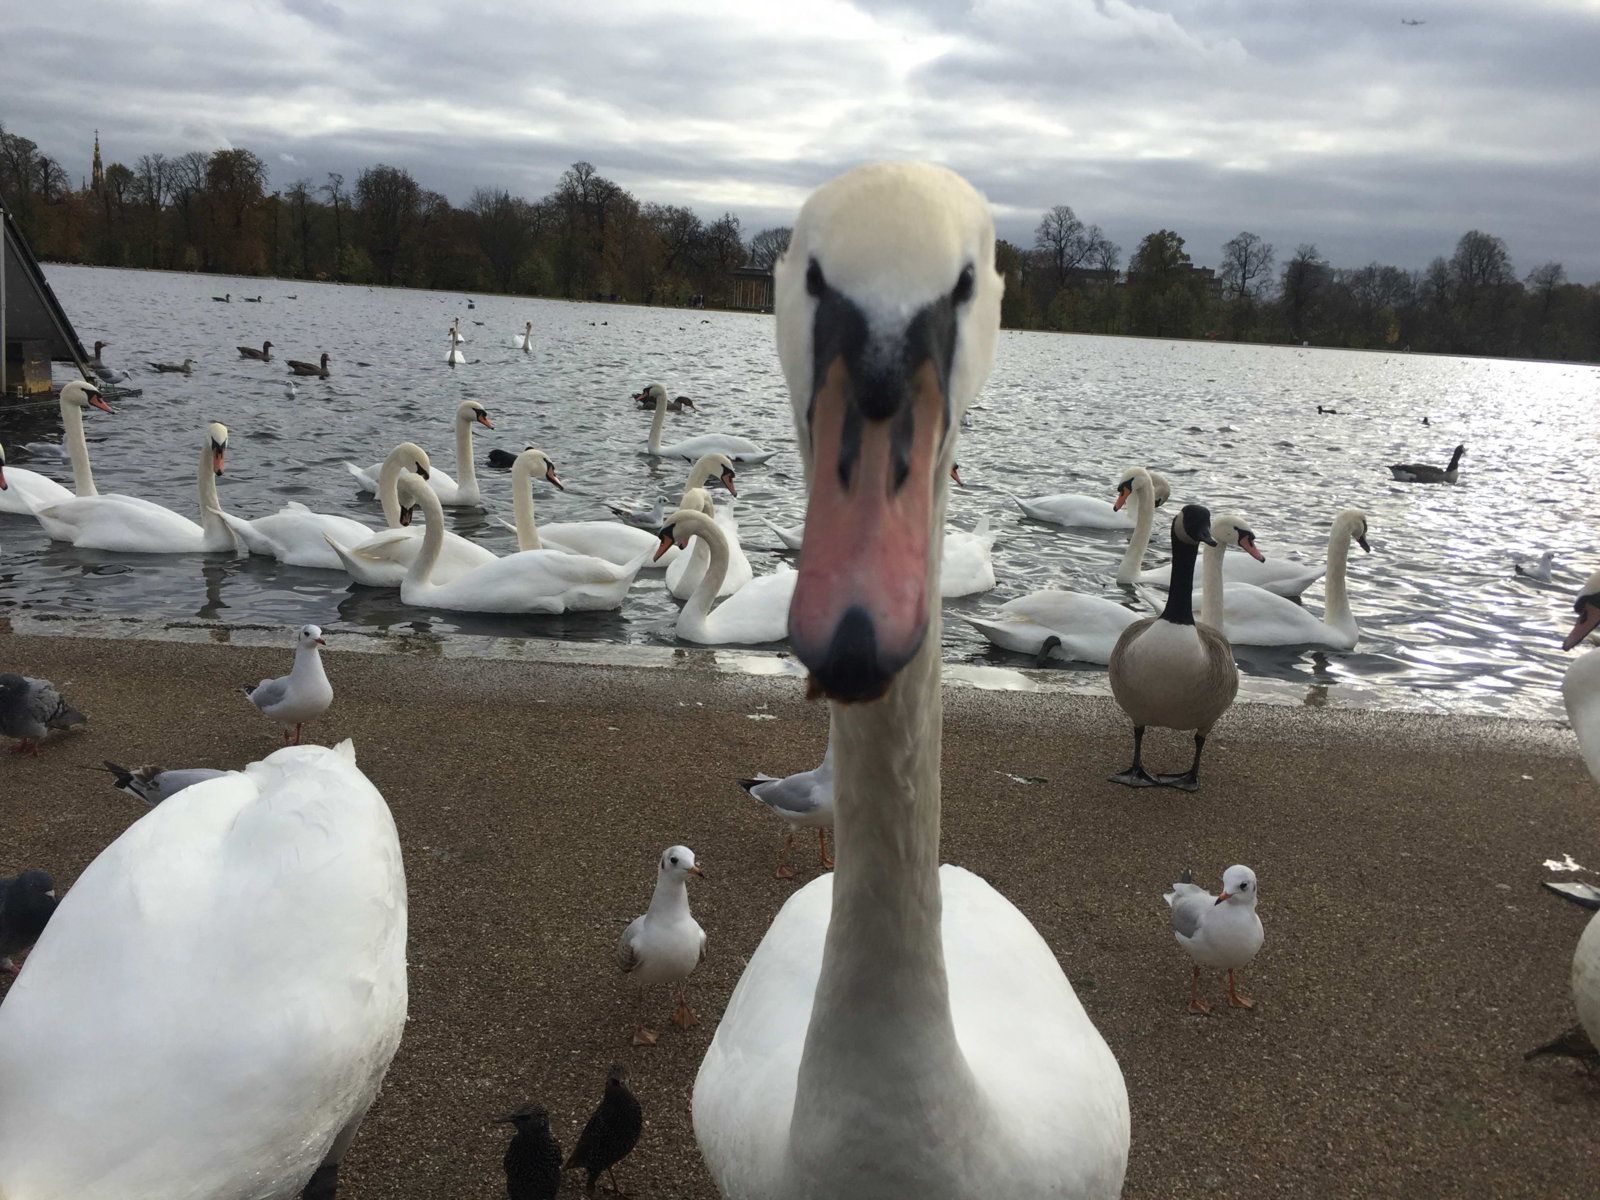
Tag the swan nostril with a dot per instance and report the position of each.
(852, 668)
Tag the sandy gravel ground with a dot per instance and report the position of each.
(1411, 955)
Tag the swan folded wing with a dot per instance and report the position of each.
(123, 523)
(217, 995)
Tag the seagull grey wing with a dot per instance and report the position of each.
(1187, 909)
(703, 943)
(627, 957)
(268, 692)
(167, 784)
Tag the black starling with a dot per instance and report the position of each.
(533, 1159)
(26, 902)
(612, 1132)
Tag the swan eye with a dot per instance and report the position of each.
(815, 283)
(964, 286)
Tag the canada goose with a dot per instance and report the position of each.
(647, 401)
(1170, 671)
(305, 368)
(262, 355)
(1330, 412)
(1423, 473)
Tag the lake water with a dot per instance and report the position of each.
(1444, 621)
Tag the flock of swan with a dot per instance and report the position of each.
(901, 1030)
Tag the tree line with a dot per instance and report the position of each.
(590, 238)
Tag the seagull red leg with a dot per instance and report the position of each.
(1195, 1006)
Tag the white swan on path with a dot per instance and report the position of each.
(381, 559)
(741, 450)
(1580, 690)
(1252, 616)
(758, 612)
(22, 491)
(1076, 511)
(530, 581)
(893, 998)
(684, 575)
(459, 494)
(216, 1000)
(134, 525)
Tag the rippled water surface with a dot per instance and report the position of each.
(1443, 620)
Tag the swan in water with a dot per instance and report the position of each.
(902, 1030)
(22, 491)
(530, 581)
(1423, 473)
(525, 339)
(1580, 690)
(740, 450)
(1280, 576)
(214, 1003)
(382, 559)
(462, 494)
(1170, 670)
(298, 537)
(133, 525)
(758, 612)
(684, 575)
(1076, 511)
(455, 344)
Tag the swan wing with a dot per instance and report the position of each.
(27, 491)
(120, 524)
(218, 995)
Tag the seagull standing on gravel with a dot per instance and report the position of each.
(1221, 932)
(666, 943)
(302, 695)
(533, 1159)
(153, 785)
(805, 798)
(31, 708)
(612, 1132)
(26, 902)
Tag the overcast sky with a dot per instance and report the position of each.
(1322, 121)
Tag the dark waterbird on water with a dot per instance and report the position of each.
(223, 299)
(1423, 473)
(26, 904)
(533, 1159)
(174, 368)
(612, 1132)
(262, 355)
(305, 368)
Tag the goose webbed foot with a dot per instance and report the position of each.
(1187, 782)
(1134, 776)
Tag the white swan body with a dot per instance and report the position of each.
(1076, 511)
(632, 514)
(464, 493)
(216, 1000)
(967, 565)
(1075, 627)
(758, 612)
(740, 450)
(381, 559)
(616, 543)
(456, 339)
(298, 537)
(25, 490)
(902, 1030)
(684, 575)
(1280, 576)
(530, 581)
(133, 525)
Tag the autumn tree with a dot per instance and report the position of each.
(388, 209)
(767, 247)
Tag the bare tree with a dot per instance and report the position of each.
(334, 191)
(1062, 239)
(767, 247)
(1246, 266)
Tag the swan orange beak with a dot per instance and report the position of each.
(550, 475)
(877, 421)
(1247, 543)
(955, 473)
(667, 542)
(1124, 490)
(4, 486)
(483, 419)
(99, 403)
(218, 453)
(1588, 618)
(727, 481)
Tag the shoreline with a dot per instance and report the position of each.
(1411, 955)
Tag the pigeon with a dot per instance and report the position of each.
(302, 695)
(30, 708)
(26, 902)
(1222, 932)
(665, 944)
(805, 798)
(153, 785)
(533, 1159)
(612, 1132)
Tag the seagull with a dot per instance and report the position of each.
(805, 798)
(1539, 571)
(1409, 21)
(666, 944)
(533, 1159)
(1221, 932)
(31, 708)
(643, 518)
(612, 1132)
(26, 902)
(153, 785)
(302, 695)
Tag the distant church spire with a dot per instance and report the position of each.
(97, 173)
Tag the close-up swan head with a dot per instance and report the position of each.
(888, 305)
(1354, 523)
(470, 411)
(1160, 489)
(83, 395)
(218, 433)
(1587, 607)
(537, 462)
(678, 862)
(1232, 530)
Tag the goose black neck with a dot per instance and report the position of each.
(1180, 585)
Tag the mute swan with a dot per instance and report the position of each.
(1215, 587)
(1580, 690)
(1076, 511)
(666, 944)
(318, 368)
(455, 355)
(132, 525)
(758, 612)
(525, 340)
(1280, 576)
(262, 355)
(298, 537)
(1222, 932)
(741, 450)
(1423, 473)
(1169, 670)
(216, 1000)
(301, 696)
(1136, 484)
(684, 575)
(967, 565)
(22, 491)
(75, 397)
(902, 1030)
(530, 581)
(804, 798)
(1252, 616)
(464, 494)
(382, 558)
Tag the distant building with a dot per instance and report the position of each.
(97, 173)
(752, 289)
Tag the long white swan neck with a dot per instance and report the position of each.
(704, 468)
(522, 505)
(421, 570)
(206, 485)
(389, 490)
(77, 449)
(716, 543)
(1144, 498)
(1211, 585)
(881, 1038)
(466, 473)
(1336, 613)
(656, 423)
